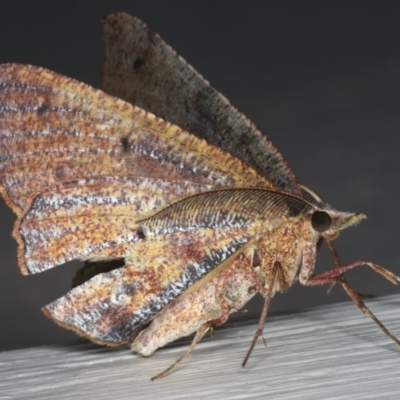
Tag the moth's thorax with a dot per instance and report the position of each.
(283, 245)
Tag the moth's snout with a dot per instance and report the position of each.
(348, 219)
(338, 221)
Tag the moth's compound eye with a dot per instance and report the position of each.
(321, 221)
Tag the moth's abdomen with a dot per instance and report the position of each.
(212, 300)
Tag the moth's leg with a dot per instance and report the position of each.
(199, 335)
(335, 276)
(275, 271)
(364, 309)
(309, 255)
(336, 259)
(335, 255)
(331, 275)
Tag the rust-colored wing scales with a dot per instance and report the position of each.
(210, 302)
(111, 308)
(141, 68)
(53, 128)
(187, 243)
(91, 218)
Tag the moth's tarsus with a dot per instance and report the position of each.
(364, 309)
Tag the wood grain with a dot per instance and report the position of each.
(331, 352)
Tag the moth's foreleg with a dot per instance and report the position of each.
(335, 276)
(336, 259)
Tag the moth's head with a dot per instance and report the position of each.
(329, 222)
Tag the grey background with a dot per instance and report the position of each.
(321, 79)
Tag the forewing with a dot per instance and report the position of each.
(141, 68)
(112, 307)
(93, 218)
(53, 128)
(182, 246)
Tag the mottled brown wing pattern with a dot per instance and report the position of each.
(208, 303)
(94, 218)
(142, 69)
(110, 212)
(53, 128)
(187, 243)
(112, 307)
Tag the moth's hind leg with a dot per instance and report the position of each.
(199, 335)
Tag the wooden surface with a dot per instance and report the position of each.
(331, 352)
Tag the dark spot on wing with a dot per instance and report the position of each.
(125, 143)
(42, 109)
(138, 63)
(59, 173)
(128, 289)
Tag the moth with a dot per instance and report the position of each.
(181, 209)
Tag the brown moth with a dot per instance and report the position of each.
(180, 207)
